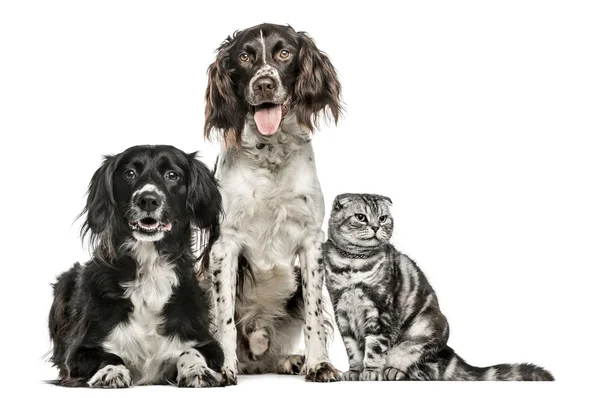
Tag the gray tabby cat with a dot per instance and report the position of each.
(386, 311)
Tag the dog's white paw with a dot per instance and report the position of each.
(229, 375)
(192, 371)
(323, 372)
(258, 341)
(111, 376)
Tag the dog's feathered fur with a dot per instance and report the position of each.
(273, 204)
(135, 313)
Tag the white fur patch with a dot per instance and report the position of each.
(148, 188)
(259, 342)
(491, 374)
(138, 341)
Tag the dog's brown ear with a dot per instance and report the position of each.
(224, 110)
(317, 88)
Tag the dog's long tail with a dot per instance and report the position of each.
(451, 367)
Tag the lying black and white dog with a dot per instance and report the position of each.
(135, 313)
(266, 90)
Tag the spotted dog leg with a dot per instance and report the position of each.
(318, 366)
(223, 265)
(192, 371)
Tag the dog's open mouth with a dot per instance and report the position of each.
(269, 116)
(149, 224)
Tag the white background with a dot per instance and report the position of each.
(480, 119)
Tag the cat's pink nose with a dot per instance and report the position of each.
(375, 229)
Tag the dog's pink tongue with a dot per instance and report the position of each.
(268, 119)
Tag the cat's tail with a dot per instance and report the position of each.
(453, 367)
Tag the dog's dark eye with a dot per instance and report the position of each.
(129, 175)
(383, 219)
(244, 57)
(173, 176)
(361, 217)
(284, 54)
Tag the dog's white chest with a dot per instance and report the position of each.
(138, 340)
(273, 210)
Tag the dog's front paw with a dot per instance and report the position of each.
(228, 376)
(111, 376)
(192, 371)
(291, 365)
(196, 376)
(323, 372)
(393, 374)
(351, 375)
(371, 375)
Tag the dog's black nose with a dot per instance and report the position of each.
(148, 201)
(265, 85)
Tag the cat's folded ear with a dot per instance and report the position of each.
(386, 199)
(340, 201)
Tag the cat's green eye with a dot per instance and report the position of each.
(383, 219)
(361, 217)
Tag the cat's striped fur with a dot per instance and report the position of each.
(386, 311)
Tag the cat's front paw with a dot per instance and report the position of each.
(351, 375)
(393, 374)
(323, 372)
(371, 375)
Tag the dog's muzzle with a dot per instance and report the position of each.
(146, 212)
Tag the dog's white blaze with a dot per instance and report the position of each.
(138, 341)
(148, 188)
(264, 47)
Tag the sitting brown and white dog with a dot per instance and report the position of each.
(266, 91)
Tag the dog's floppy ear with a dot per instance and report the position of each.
(203, 202)
(317, 87)
(224, 109)
(101, 208)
